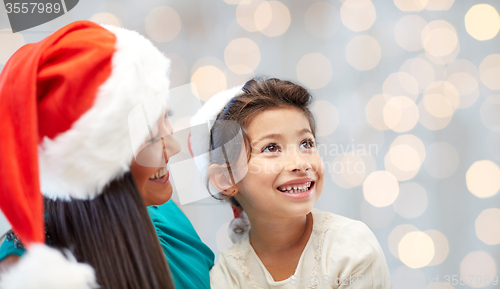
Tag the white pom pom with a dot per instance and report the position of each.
(43, 268)
(238, 227)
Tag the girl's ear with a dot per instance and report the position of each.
(218, 176)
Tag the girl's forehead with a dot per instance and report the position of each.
(277, 121)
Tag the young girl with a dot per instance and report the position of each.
(290, 244)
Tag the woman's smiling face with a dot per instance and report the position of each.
(285, 173)
(149, 167)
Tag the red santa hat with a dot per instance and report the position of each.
(64, 115)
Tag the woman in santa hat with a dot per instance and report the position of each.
(84, 121)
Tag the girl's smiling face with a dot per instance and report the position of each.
(285, 173)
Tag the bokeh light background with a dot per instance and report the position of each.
(408, 89)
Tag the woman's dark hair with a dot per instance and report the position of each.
(258, 95)
(112, 233)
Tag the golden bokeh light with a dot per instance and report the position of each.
(488, 226)
(314, 70)
(482, 22)
(420, 70)
(374, 111)
(439, 38)
(410, 164)
(401, 84)
(441, 247)
(363, 52)
(375, 217)
(490, 112)
(242, 56)
(441, 99)
(10, 43)
(322, 19)
(410, 5)
(358, 15)
(467, 88)
(408, 31)
(489, 69)
(396, 235)
(439, 5)
(326, 116)
(483, 179)
(208, 80)
(272, 18)
(442, 160)
(380, 189)
(429, 121)
(163, 24)
(412, 200)
(245, 14)
(106, 18)
(400, 114)
(416, 249)
(481, 265)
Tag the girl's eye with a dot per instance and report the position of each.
(168, 114)
(271, 148)
(307, 144)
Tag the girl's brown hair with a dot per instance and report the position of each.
(257, 96)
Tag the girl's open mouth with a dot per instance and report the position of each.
(297, 191)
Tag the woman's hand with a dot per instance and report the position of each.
(8, 262)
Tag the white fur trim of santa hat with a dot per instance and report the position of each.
(46, 268)
(80, 162)
(207, 114)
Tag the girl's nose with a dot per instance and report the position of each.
(296, 161)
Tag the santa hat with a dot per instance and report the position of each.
(64, 115)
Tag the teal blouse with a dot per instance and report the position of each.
(190, 260)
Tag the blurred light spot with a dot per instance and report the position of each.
(400, 114)
(358, 15)
(488, 226)
(489, 70)
(180, 69)
(208, 80)
(493, 143)
(444, 59)
(401, 84)
(441, 99)
(482, 22)
(396, 235)
(404, 157)
(439, 38)
(467, 86)
(380, 188)
(421, 70)
(272, 18)
(481, 266)
(483, 179)
(106, 18)
(416, 249)
(245, 14)
(375, 217)
(374, 111)
(314, 70)
(222, 237)
(439, 5)
(326, 116)
(363, 52)
(10, 43)
(242, 56)
(490, 112)
(405, 143)
(408, 32)
(440, 245)
(322, 20)
(442, 160)
(429, 121)
(412, 200)
(163, 24)
(410, 5)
